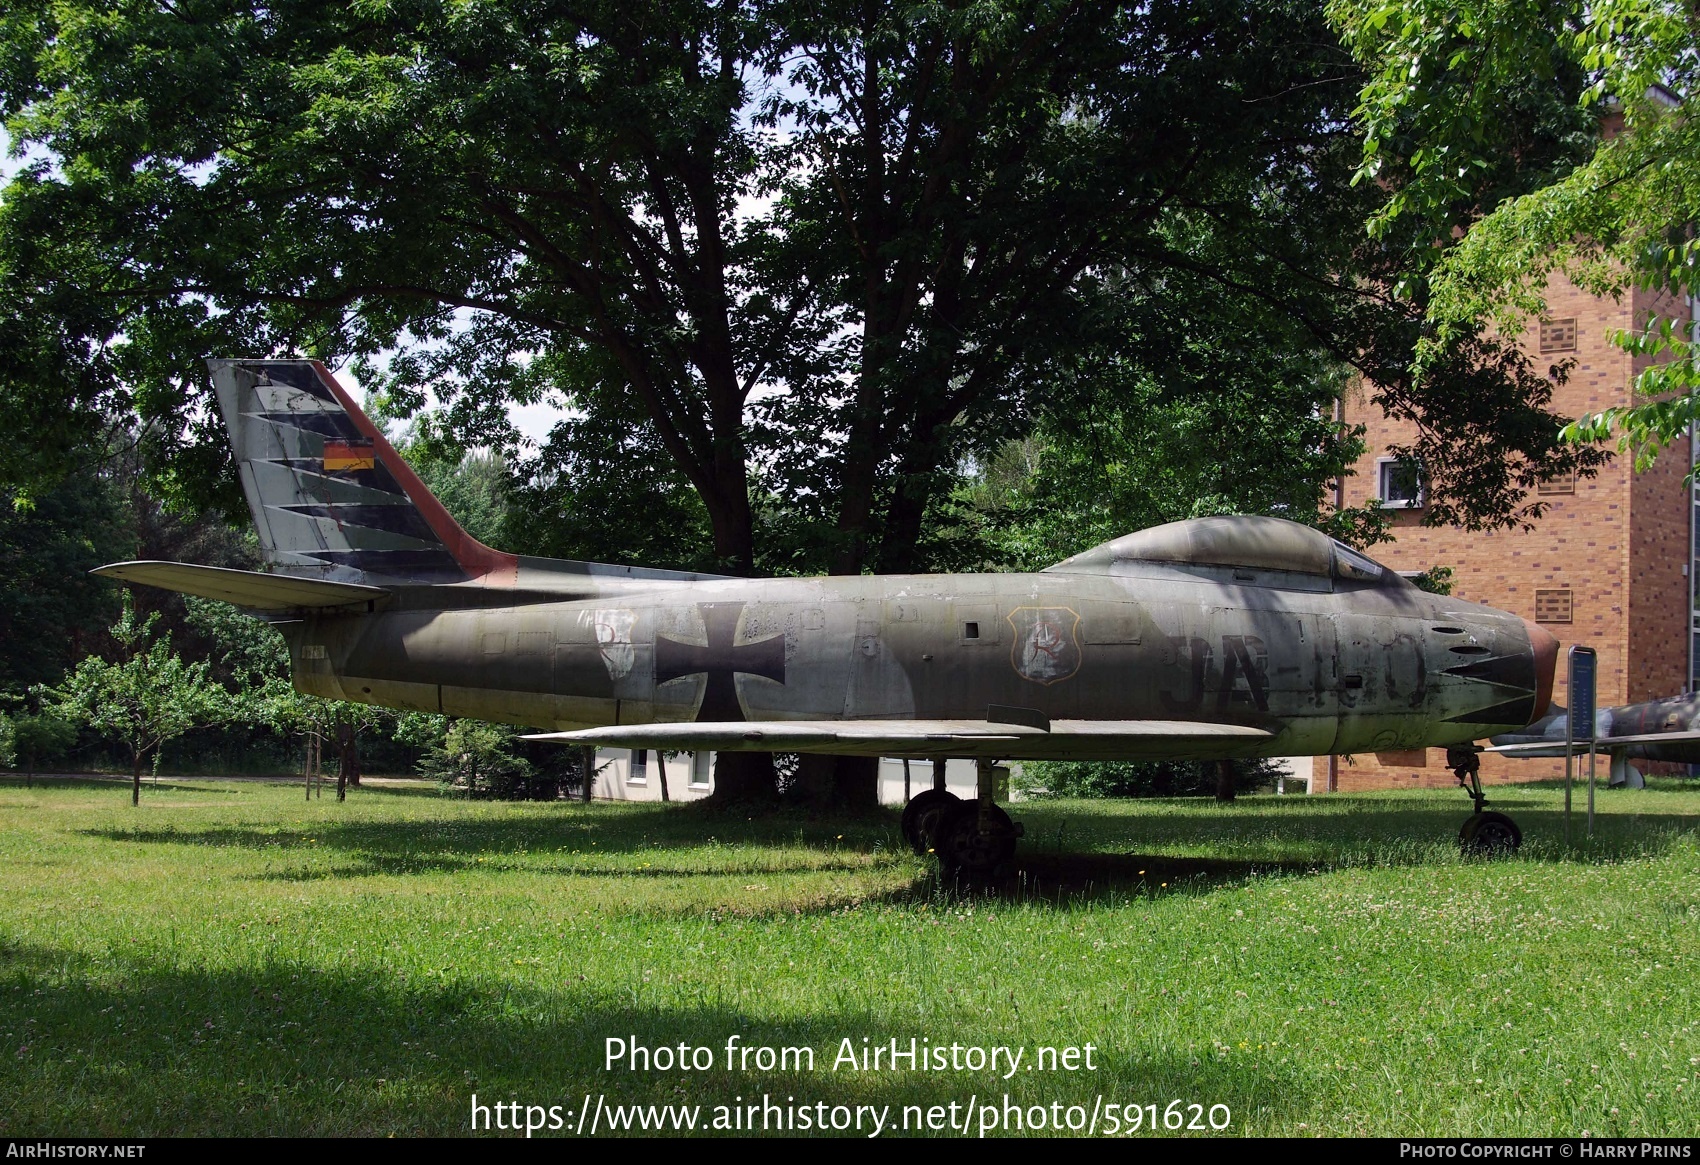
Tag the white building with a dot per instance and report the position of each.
(624, 774)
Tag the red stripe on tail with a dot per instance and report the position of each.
(494, 568)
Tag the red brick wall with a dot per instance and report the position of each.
(1658, 584)
(1618, 544)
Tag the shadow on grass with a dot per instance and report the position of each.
(1072, 849)
(1347, 831)
(424, 790)
(116, 783)
(1074, 876)
(140, 1046)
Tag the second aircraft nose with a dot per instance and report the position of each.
(1544, 647)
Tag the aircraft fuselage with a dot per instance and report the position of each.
(1347, 669)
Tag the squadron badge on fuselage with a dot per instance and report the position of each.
(614, 640)
(1047, 643)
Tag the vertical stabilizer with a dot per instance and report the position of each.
(331, 498)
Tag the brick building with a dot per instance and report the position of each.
(1607, 566)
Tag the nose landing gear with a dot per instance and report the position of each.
(1484, 834)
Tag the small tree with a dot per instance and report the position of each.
(148, 698)
(254, 660)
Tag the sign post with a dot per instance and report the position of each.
(1579, 727)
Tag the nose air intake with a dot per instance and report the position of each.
(1545, 648)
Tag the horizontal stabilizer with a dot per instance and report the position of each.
(1065, 740)
(1544, 748)
(244, 588)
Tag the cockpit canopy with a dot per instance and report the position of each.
(1243, 541)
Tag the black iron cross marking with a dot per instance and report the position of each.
(721, 659)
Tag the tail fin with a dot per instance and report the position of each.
(331, 498)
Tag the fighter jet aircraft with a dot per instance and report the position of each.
(1207, 639)
(1666, 729)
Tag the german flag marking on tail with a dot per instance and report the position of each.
(349, 456)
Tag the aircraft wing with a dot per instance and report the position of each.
(1544, 748)
(245, 588)
(1063, 740)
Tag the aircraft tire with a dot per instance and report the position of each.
(1490, 835)
(967, 852)
(922, 815)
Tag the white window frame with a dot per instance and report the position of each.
(1381, 466)
(637, 766)
(700, 771)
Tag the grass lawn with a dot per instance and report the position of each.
(230, 959)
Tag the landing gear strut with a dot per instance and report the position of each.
(1484, 834)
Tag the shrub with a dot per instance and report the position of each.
(478, 759)
(1160, 778)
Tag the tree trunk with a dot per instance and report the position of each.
(1224, 780)
(587, 762)
(838, 782)
(136, 778)
(347, 760)
(744, 778)
(856, 783)
(661, 768)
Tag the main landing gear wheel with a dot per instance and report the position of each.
(922, 815)
(1490, 835)
(974, 848)
(1484, 834)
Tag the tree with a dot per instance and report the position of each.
(821, 253)
(252, 660)
(1223, 435)
(52, 611)
(1614, 211)
(148, 698)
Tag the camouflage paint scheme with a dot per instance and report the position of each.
(1219, 637)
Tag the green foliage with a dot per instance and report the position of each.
(51, 609)
(421, 730)
(478, 759)
(1219, 434)
(1040, 779)
(1436, 580)
(148, 698)
(473, 486)
(603, 489)
(813, 259)
(1613, 211)
(39, 737)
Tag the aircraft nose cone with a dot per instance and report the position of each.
(1545, 648)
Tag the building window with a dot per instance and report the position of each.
(638, 773)
(1564, 483)
(1398, 484)
(1558, 335)
(1555, 606)
(699, 770)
